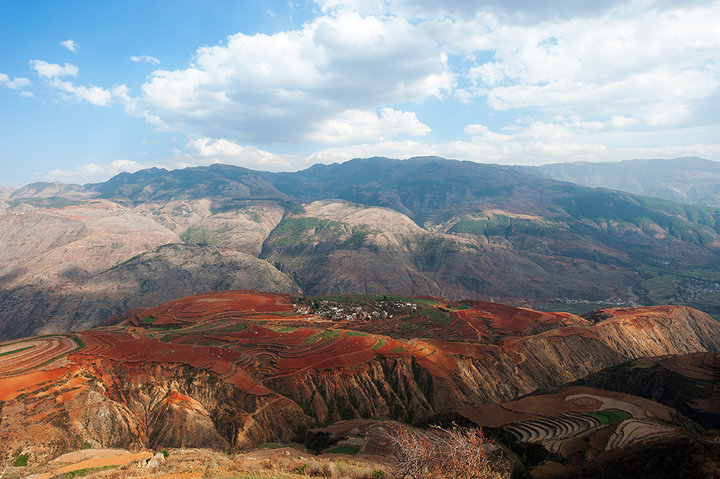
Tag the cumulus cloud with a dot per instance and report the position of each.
(95, 95)
(144, 59)
(209, 150)
(614, 65)
(292, 86)
(16, 83)
(53, 70)
(359, 125)
(92, 172)
(70, 45)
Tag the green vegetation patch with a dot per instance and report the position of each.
(358, 238)
(346, 449)
(324, 335)
(21, 460)
(85, 472)
(287, 329)
(46, 202)
(203, 236)
(355, 333)
(290, 230)
(502, 225)
(15, 351)
(610, 416)
(148, 320)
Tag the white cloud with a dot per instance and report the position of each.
(70, 45)
(358, 126)
(53, 70)
(16, 83)
(92, 172)
(144, 59)
(209, 150)
(94, 95)
(612, 65)
(291, 86)
(27, 94)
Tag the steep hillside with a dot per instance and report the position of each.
(686, 180)
(241, 367)
(418, 226)
(687, 383)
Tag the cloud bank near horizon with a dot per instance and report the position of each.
(505, 82)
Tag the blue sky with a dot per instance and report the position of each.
(89, 89)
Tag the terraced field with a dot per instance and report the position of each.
(578, 420)
(242, 336)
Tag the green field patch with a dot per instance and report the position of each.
(231, 328)
(380, 343)
(355, 333)
(15, 351)
(85, 472)
(321, 336)
(77, 341)
(164, 327)
(287, 329)
(346, 449)
(609, 416)
(148, 320)
(398, 350)
(436, 315)
(459, 306)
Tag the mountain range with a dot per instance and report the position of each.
(686, 180)
(75, 255)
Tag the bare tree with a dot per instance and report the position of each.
(456, 452)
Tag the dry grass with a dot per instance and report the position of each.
(285, 463)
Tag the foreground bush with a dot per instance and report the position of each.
(454, 453)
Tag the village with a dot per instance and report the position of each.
(355, 310)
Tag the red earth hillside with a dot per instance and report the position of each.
(242, 367)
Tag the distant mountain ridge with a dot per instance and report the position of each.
(422, 226)
(686, 180)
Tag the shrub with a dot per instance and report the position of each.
(456, 453)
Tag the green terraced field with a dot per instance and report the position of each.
(610, 416)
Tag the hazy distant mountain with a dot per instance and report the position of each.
(686, 180)
(424, 226)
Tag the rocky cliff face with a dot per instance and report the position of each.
(242, 368)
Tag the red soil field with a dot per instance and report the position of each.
(246, 337)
